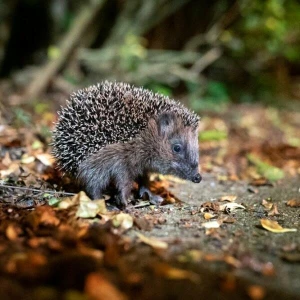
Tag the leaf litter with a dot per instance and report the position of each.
(85, 228)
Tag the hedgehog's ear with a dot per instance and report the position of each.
(165, 123)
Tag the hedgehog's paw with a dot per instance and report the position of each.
(153, 199)
(121, 201)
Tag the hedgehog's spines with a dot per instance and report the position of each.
(106, 113)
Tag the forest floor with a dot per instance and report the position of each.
(233, 236)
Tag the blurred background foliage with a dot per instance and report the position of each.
(210, 53)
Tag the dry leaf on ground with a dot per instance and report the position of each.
(293, 203)
(273, 226)
(274, 211)
(228, 220)
(43, 215)
(46, 159)
(99, 288)
(267, 204)
(123, 221)
(87, 208)
(209, 206)
(153, 242)
(12, 232)
(27, 159)
(229, 207)
(256, 292)
(90, 209)
(228, 198)
(212, 224)
(208, 216)
(13, 168)
(169, 272)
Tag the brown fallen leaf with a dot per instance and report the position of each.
(95, 253)
(90, 208)
(209, 206)
(122, 221)
(13, 168)
(273, 226)
(42, 215)
(46, 159)
(153, 242)
(66, 202)
(228, 283)
(27, 159)
(214, 233)
(47, 216)
(228, 220)
(230, 207)
(293, 203)
(169, 199)
(230, 260)
(267, 204)
(228, 198)
(212, 224)
(261, 182)
(164, 270)
(193, 255)
(97, 287)
(256, 292)
(6, 161)
(133, 278)
(35, 242)
(208, 216)
(12, 232)
(274, 211)
(25, 263)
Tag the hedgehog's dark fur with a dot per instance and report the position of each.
(114, 133)
(107, 113)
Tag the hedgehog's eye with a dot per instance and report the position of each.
(177, 148)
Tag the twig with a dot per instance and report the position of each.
(71, 39)
(36, 190)
(142, 204)
(207, 59)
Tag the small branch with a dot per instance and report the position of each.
(207, 59)
(71, 39)
(36, 190)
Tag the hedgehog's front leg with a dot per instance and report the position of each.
(144, 182)
(92, 177)
(123, 186)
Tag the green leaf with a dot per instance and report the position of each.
(212, 135)
(53, 201)
(160, 88)
(218, 91)
(270, 172)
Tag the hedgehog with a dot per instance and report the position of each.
(114, 134)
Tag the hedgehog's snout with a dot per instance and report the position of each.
(197, 178)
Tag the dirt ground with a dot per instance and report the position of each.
(265, 258)
(239, 260)
(211, 240)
